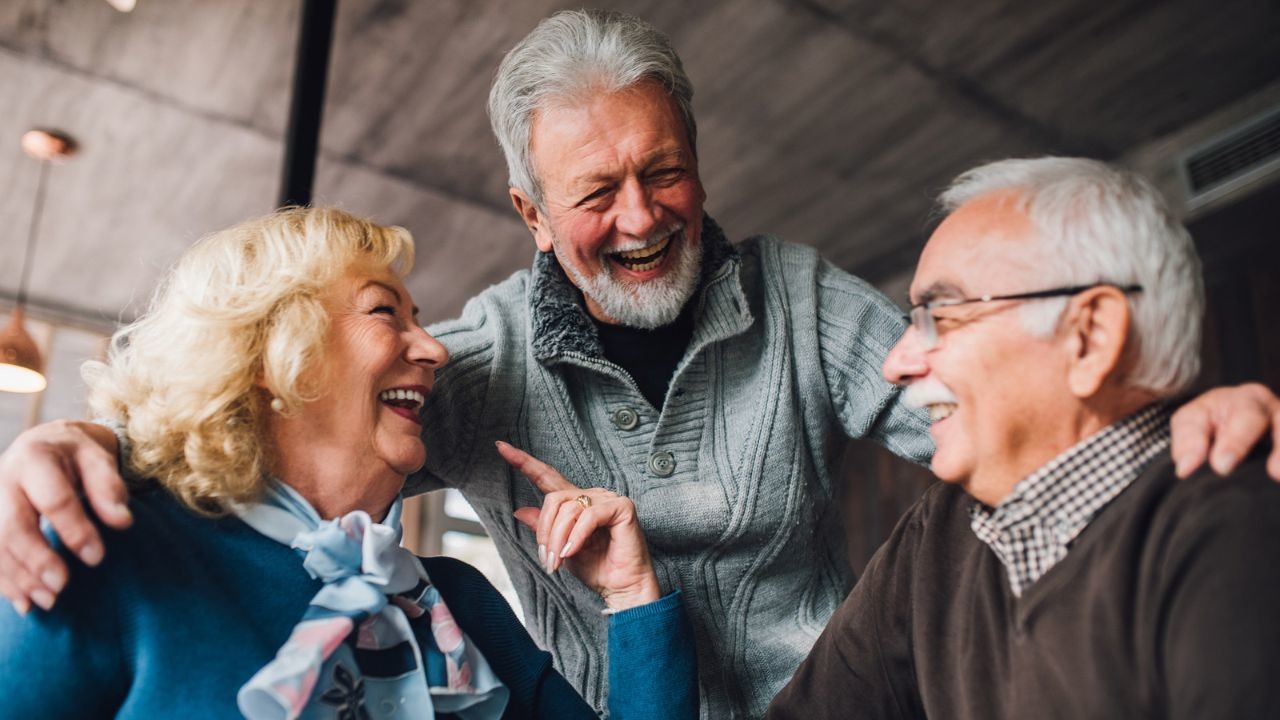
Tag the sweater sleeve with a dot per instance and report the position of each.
(652, 665)
(857, 326)
(65, 663)
(653, 669)
(862, 664)
(1220, 639)
(451, 421)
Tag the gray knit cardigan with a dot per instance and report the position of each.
(732, 479)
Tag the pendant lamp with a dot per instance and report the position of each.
(21, 367)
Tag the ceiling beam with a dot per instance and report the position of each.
(965, 89)
(54, 312)
(306, 103)
(60, 64)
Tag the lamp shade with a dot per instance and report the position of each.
(20, 363)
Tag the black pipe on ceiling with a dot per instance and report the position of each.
(306, 106)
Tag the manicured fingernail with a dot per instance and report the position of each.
(22, 607)
(542, 555)
(565, 552)
(42, 598)
(91, 554)
(52, 579)
(500, 444)
(1184, 467)
(122, 511)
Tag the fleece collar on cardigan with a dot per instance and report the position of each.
(559, 316)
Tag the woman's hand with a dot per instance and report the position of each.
(598, 537)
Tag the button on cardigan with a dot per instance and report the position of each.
(732, 477)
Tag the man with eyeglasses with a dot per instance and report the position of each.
(1061, 570)
(712, 382)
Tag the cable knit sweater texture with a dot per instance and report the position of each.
(732, 477)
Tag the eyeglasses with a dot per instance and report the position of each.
(922, 315)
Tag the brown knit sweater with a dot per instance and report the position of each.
(1168, 605)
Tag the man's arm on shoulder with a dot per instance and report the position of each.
(1219, 639)
(40, 475)
(857, 325)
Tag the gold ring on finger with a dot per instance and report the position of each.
(584, 501)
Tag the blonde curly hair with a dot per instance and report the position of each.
(241, 308)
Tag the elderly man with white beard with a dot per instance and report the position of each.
(1061, 570)
(712, 383)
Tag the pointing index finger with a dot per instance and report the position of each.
(543, 476)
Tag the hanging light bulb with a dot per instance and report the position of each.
(123, 6)
(20, 361)
(21, 367)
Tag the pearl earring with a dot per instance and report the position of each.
(277, 404)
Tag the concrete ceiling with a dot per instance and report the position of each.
(829, 122)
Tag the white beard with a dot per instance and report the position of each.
(650, 304)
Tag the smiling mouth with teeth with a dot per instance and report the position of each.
(405, 402)
(644, 259)
(941, 411)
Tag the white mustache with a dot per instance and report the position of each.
(650, 239)
(928, 392)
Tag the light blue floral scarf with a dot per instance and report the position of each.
(354, 654)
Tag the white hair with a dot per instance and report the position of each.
(1099, 224)
(568, 57)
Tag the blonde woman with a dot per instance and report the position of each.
(272, 396)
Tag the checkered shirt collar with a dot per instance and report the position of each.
(1032, 529)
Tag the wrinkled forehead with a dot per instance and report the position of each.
(986, 246)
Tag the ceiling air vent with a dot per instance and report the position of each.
(1237, 157)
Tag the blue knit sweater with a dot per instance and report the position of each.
(185, 609)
